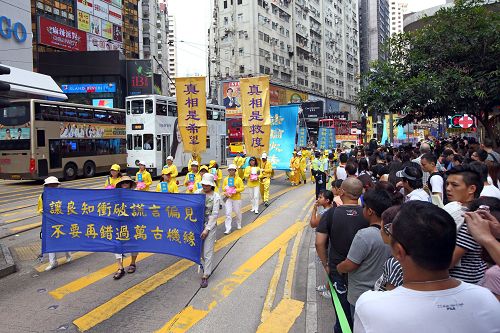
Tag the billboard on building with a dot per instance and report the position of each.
(231, 98)
(283, 96)
(101, 9)
(115, 15)
(85, 6)
(117, 33)
(52, 33)
(83, 21)
(95, 25)
(107, 29)
(139, 77)
(96, 43)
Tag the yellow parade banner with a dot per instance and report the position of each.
(256, 114)
(192, 112)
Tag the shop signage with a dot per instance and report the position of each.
(9, 29)
(84, 88)
(101, 9)
(96, 43)
(115, 15)
(85, 6)
(83, 21)
(61, 36)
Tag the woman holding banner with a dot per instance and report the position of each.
(127, 183)
(209, 235)
(252, 174)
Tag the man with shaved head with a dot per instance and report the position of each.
(336, 231)
(425, 148)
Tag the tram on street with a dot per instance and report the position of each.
(153, 134)
(40, 138)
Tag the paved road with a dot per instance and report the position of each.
(264, 279)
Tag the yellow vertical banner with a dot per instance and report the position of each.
(256, 114)
(192, 112)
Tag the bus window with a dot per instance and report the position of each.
(101, 117)
(68, 114)
(129, 141)
(148, 142)
(123, 147)
(137, 107)
(137, 142)
(85, 114)
(114, 117)
(40, 138)
(18, 114)
(172, 110)
(149, 106)
(102, 147)
(158, 143)
(86, 147)
(49, 112)
(161, 109)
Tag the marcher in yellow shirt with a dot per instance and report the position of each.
(194, 157)
(192, 178)
(303, 166)
(143, 177)
(252, 174)
(239, 161)
(170, 184)
(114, 177)
(171, 168)
(294, 174)
(265, 178)
(213, 168)
(232, 188)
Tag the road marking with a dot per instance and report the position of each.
(15, 208)
(87, 280)
(291, 267)
(17, 212)
(19, 219)
(116, 304)
(283, 317)
(62, 261)
(273, 284)
(25, 227)
(38, 192)
(188, 317)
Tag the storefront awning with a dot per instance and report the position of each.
(26, 84)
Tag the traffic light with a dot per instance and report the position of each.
(4, 86)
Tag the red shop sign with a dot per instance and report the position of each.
(61, 36)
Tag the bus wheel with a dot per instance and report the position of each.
(89, 169)
(70, 171)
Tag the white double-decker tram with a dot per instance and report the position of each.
(153, 134)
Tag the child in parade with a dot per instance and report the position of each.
(143, 177)
(213, 168)
(114, 177)
(126, 183)
(167, 183)
(209, 234)
(170, 166)
(192, 177)
(233, 186)
(52, 182)
(252, 174)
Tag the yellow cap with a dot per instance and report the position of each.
(115, 167)
(212, 163)
(204, 167)
(166, 171)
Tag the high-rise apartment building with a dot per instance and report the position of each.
(131, 29)
(172, 53)
(309, 45)
(374, 31)
(397, 10)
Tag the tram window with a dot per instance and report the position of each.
(137, 107)
(161, 109)
(172, 110)
(222, 115)
(208, 141)
(215, 115)
(148, 142)
(129, 141)
(128, 107)
(138, 142)
(149, 106)
(158, 143)
(209, 114)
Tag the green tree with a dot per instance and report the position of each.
(449, 66)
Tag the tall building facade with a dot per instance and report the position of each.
(308, 45)
(153, 31)
(374, 31)
(397, 10)
(172, 53)
(130, 28)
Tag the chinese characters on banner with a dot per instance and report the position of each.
(302, 141)
(326, 138)
(122, 221)
(192, 112)
(256, 116)
(283, 130)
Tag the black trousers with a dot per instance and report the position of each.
(320, 178)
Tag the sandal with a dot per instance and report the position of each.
(131, 268)
(118, 275)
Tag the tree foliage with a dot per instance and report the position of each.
(449, 66)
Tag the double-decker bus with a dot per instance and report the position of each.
(153, 134)
(40, 138)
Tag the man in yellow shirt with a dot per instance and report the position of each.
(265, 178)
(143, 176)
(171, 168)
(232, 188)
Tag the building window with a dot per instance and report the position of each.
(225, 4)
(240, 2)
(242, 69)
(241, 50)
(240, 17)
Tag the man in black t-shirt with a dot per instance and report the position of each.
(337, 229)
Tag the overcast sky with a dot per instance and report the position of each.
(193, 20)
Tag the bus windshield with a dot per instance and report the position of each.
(15, 127)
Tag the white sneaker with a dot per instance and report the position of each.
(238, 227)
(69, 258)
(227, 232)
(51, 266)
(256, 212)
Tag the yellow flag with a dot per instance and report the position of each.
(256, 114)
(192, 112)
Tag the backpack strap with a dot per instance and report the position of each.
(493, 156)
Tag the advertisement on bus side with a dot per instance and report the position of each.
(14, 133)
(90, 131)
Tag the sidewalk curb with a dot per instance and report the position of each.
(311, 302)
(9, 267)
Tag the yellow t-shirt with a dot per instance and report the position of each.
(146, 178)
(110, 181)
(197, 179)
(172, 187)
(238, 184)
(248, 171)
(173, 171)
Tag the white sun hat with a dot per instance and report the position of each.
(232, 167)
(208, 179)
(194, 163)
(170, 158)
(264, 156)
(51, 180)
(142, 163)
